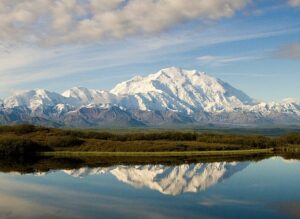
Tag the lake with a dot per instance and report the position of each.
(267, 188)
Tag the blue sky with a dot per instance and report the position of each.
(253, 45)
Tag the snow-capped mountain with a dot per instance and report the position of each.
(35, 99)
(169, 180)
(287, 106)
(180, 90)
(172, 95)
(82, 96)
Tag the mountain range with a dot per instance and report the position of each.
(172, 96)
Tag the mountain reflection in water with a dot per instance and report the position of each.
(169, 180)
(267, 188)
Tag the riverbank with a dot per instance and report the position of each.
(154, 154)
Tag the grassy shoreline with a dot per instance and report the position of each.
(28, 140)
(154, 154)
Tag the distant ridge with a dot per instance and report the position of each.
(170, 96)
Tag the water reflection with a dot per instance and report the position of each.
(169, 180)
(264, 189)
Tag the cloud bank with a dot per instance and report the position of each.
(69, 21)
(294, 3)
(291, 51)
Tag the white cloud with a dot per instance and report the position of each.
(291, 51)
(294, 3)
(16, 56)
(27, 67)
(64, 21)
(221, 60)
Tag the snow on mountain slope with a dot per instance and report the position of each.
(35, 99)
(76, 97)
(83, 96)
(170, 95)
(180, 90)
(286, 106)
(169, 180)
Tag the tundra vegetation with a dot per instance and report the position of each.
(30, 139)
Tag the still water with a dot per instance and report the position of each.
(269, 188)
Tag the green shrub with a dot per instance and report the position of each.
(291, 138)
(16, 146)
(5, 129)
(255, 141)
(63, 141)
(24, 129)
(18, 129)
(172, 136)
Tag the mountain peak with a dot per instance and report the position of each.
(84, 96)
(290, 100)
(173, 72)
(76, 92)
(171, 94)
(182, 90)
(34, 99)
